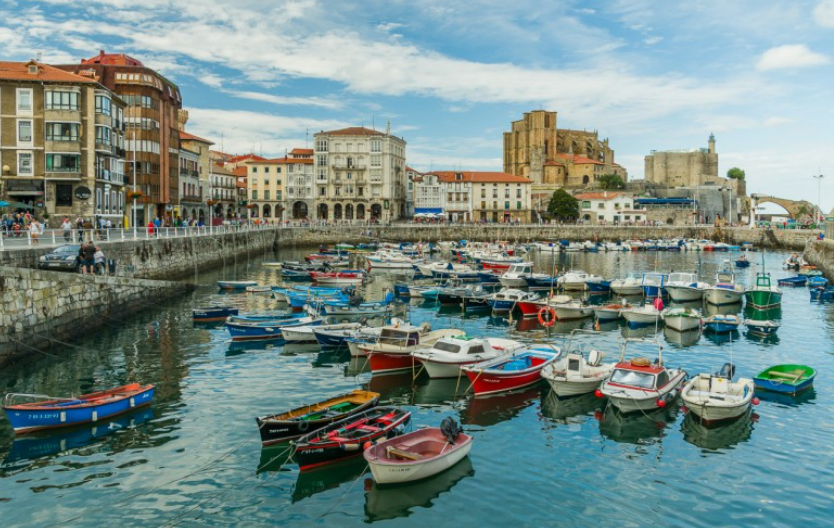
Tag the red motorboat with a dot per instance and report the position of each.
(508, 373)
(532, 308)
(496, 265)
(338, 277)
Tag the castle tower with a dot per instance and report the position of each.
(712, 143)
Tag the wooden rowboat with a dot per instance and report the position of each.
(53, 412)
(417, 455)
(296, 422)
(789, 379)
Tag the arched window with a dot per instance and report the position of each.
(349, 212)
(267, 211)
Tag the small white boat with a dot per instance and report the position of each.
(681, 318)
(258, 289)
(642, 315)
(447, 355)
(715, 397)
(641, 385)
(631, 285)
(392, 351)
(304, 334)
(276, 265)
(725, 290)
(609, 312)
(573, 280)
(417, 455)
(505, 300)
(516, 275)
(577, 373)
(685, 287)
(763, 327)
(573, 310)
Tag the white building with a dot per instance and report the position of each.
(359, 175)
(192, 191)
(609, 208)
(429, 197)
(300, 195)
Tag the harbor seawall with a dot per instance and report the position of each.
(821, 254)
(39, 307)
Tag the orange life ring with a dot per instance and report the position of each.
(551, 320)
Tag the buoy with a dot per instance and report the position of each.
(661, 403)
(598, 393)
(755, 401)
(367, 445)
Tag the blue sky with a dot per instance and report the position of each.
(450, 76)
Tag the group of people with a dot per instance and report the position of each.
(18, 224)
(91, 259)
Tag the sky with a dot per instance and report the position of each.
(264, 75)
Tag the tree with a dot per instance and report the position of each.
(563, 206)
(611, 182)
(735, 174)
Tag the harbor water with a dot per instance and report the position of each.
(194, 457)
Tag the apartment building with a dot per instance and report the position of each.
(472, 196)
(61, 143)
(192, 193)
(359, 175)
(152, 143)
(609, 208)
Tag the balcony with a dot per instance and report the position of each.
(345, 167)
(190, 198)
(63, 174)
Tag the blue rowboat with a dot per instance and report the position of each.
(401, 290)
(264, 330)
(742, 263)
(332, 308)
(61, 412)
(264, 316)
(235, 285)
(816, 282)
(295, 275)
(793, 281)
(721, 323)
(602, 286)
(787, 379)
(822, 294)
(212, 314)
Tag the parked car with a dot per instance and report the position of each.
(61, 258)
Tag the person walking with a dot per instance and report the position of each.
(66, 226)
(34, 231)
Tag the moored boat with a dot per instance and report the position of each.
(235, 284)
(505, 300)
(212, 314)
(504, 373)
(789, 379)
(392, 351)
(418, 455)
(348, 437)
(725, 290)
(681, 318)
(264, 330)
(306, 334)
(761, 327)
(793, 281)
(446, 357)
(722, 323)
(577, 372)
(291, 424)
(631, 285)
(716, 397)
(763, 295)
(50, 412)
(685, 287)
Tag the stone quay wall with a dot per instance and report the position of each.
(767, 238)
(39, 307)
(164, 258)
(821, 254)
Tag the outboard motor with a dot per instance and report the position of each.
(450, 429)
(727, 371)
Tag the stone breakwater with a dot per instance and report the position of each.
(40, 307)
(821, 254)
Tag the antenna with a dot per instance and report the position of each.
(38, 57)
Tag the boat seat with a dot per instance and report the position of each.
(719, 385)
(369, 428)
(393, 452)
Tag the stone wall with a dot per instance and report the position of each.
(41, 306)
(164, 258)
(820, 253)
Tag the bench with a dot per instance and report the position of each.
(392, 451)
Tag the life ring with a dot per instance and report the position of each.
(551, 320)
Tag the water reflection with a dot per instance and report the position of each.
(638, 427)
(391, 502)
(275, 457)
(640, 331)
(717, 437)
(327, 477)
(48, 443)
(497, 408)
(357, 366)
(788, 400)
(769, 339)
(724, 309)
(560, 410)
(719, 338)
(771, 314)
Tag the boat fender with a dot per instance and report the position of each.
(303, 426)
(548, 321)
(755, 400)
(598, 393)
(350, 447)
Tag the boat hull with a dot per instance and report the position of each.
(27, 420)
(721, 297)
(565, 388)
(684, 294)
(388, 472)
(212, 315)
(682, 323)
(763, 299)
(386, 363)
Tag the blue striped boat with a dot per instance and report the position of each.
(264, 330)
(263, 316)
(212, 314)
(235, 284)
(61, 412)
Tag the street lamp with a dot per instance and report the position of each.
(819, 195)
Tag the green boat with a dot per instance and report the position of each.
(764, 295)
(788, 379)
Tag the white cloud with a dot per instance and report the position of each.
(388, 27)
(331, 104)
(824, 13)
(651, 41)
(790, 56)
(776, 121)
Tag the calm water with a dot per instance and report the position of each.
(194, 457)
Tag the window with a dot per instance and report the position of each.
(266, 194)
(254, 194)
(266, 170)
(518, 205)
(321, 144)
(495, 193)
(600, 205)
(63, 162)
(506, 205)
(102, 135)
(102, 105)
(61, 100)
(62, 131)
(506, 193)
(483, 193)
(376, 145)
(254, 170)
(321, 191)
(63, 195)
(518, 193)
(321, 160)
(586, 204)
(24, 164)
(24, 101)
(24, 131)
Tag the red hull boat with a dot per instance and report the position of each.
(383, 363)
(509, 373)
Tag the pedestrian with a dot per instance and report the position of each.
(66, 226)
(88, 252)
(98, 261)
(151, 227)
(79, 225)
(34, 231)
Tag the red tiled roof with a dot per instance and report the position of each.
(597, 196)
(239, 171)
(480, 177)
(191, 137)
(245, 157)
(116, 59)
(282, 161)
(354, 131)
(241, 184)
(19, 71)
(302, 151)
(579, 160)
